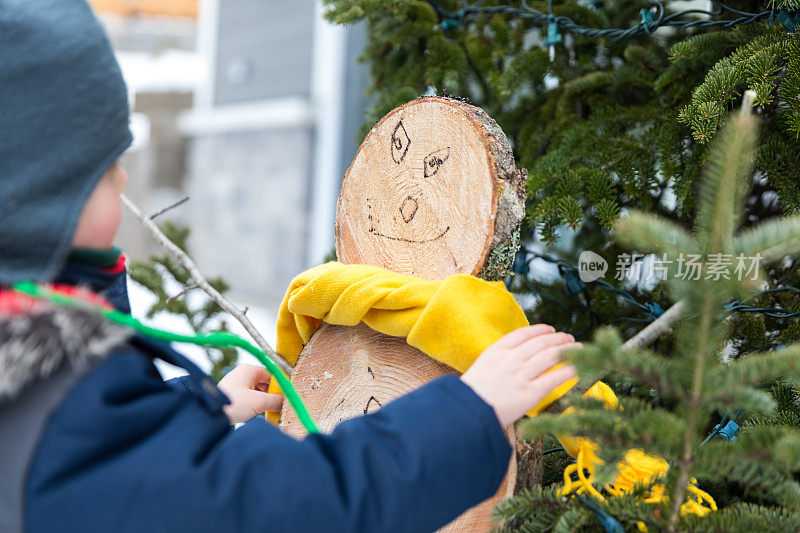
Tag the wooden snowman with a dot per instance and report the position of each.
(433, 190)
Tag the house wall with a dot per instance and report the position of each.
(264, 50)
(249, 207)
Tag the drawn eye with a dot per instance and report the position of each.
(434, 160)
(400, 142)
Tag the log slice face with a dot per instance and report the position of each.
(433, 191)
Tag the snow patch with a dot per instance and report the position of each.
(169, 71)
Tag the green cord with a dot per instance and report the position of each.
(216, 339)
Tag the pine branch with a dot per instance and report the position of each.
(703, 342)
(203, 283)
(647, 336)
(773, 240)
(651, 234)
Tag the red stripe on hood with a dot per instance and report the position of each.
(13, 303)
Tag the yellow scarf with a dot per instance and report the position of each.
(451, 320)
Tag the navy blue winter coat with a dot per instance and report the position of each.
(92, 439)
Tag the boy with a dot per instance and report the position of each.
(91, 439)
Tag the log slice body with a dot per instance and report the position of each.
(349, 371)
(433, 191)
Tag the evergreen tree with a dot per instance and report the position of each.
(696, 382)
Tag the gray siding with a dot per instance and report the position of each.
(264, 49)
(249, 208)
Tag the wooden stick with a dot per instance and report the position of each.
(171, 206)
(655, 329)
(202, 282)
(183, 291)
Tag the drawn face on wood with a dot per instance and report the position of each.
(418, 198)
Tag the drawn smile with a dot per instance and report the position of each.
(403, 239)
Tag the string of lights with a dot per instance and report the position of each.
(653, 18)
(649, 311)
(739, 306)
(578, 290)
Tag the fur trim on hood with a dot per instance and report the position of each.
(37, 338)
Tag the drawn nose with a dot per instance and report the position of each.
(408, 209)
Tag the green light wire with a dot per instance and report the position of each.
(216, 339)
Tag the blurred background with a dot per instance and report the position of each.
(252, 109)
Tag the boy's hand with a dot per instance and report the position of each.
(509, 374)
(246, 386)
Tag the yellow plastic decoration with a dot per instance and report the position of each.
(636, 468)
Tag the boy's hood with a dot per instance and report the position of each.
(38, 338)
(64, 122)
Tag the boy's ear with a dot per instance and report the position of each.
(118, 176)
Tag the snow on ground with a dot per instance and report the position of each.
(141, 300)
